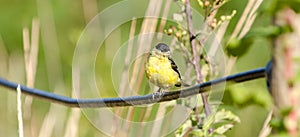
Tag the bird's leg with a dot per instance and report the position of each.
(156, 94)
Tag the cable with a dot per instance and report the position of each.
(136, 100)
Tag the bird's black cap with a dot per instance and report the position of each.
(162, 47)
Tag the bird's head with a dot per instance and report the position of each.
(161, 49)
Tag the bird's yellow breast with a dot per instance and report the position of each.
(159, 71)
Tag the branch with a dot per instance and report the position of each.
(135, 100)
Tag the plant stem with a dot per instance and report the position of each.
(195, 54)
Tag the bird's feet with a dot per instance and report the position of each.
(158, 94)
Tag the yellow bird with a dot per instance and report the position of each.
(161, 69)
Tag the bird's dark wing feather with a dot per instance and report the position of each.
(175, 68)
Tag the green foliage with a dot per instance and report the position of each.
(240, 47)
(199, 124)
(242, 96)
(278, 124)
(272, 6)
(226, 120)
(69, 23)
(222, 121)
(281, 121)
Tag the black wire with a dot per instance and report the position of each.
(136, 100)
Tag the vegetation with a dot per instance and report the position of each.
(39, 42)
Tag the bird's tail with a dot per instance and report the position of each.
(182, 84)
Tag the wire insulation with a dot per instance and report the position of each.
(136, 100)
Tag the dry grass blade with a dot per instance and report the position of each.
(243, 26)
(250, 18)
(30, 56)
(34, 48)
(20, 119)
(90, 9)
(266, 129)
(26, 45)
(163, 22)
(148, 26)
(125, 72)
(246, 19)
(125, 75)
(53, 122)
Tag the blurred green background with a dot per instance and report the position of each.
(61, 24)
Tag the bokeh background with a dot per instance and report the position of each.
(61, 24)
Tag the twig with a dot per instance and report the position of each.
(210, 13)
(136, 100)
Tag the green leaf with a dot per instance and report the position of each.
(238, 48)
(223, 129)
(277, 124)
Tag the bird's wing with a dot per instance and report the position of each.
(175, 68)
